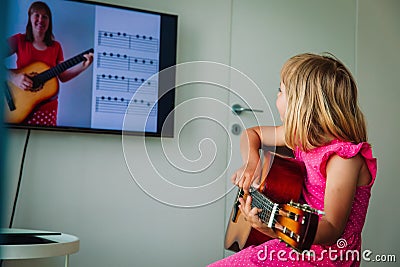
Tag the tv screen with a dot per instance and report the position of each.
(129, 87)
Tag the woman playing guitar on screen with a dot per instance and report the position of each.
(33, 48)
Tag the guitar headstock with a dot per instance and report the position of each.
(296, 225)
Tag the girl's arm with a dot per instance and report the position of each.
(342, 178)
(251, 141)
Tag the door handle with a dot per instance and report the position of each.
(238, 109)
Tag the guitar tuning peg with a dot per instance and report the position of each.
(293, 204)
(308, 208)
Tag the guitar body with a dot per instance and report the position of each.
(281, 182)
(26, 100)
(20, 103)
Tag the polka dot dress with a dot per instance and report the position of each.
(347, 250)
(44, 115)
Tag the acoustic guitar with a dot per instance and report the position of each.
(20, 103)
(280, 188)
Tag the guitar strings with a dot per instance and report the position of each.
(52, 72)
(261, 201)
(265, 204)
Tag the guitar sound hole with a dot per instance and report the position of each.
(37, 88)
(37, 85)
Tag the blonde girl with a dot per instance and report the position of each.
(325, 128)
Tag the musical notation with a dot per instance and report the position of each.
(117, 83)
(124, 62)
(125, 81)
(125, 106)
(128, 41)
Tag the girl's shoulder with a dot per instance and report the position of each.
(343, 148)
(346, 150)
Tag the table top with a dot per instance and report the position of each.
(59, 244)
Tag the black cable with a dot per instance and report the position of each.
(21, 170)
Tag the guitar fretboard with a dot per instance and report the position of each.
(269, 208)
(53, 72)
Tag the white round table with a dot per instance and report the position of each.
(60, 245)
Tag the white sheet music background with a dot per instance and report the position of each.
(125, 57)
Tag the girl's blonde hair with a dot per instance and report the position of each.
(322, 102)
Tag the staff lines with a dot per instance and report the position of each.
(125, 84)
(124, 40)
(121, 105)
(125, 62)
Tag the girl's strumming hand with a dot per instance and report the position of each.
(247, 175)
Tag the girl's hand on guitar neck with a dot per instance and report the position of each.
(251, 215)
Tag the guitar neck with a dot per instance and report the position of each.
(268, 207)
(53, 72)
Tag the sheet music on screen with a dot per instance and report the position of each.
(126, 57)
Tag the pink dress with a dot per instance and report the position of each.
(347, 250)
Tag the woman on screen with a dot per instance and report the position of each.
(32, 98)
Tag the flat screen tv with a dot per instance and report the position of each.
(126, 89)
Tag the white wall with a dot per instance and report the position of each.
(378, 57)
(79, 183)
(266, 33)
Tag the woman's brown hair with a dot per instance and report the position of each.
(49, 37)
